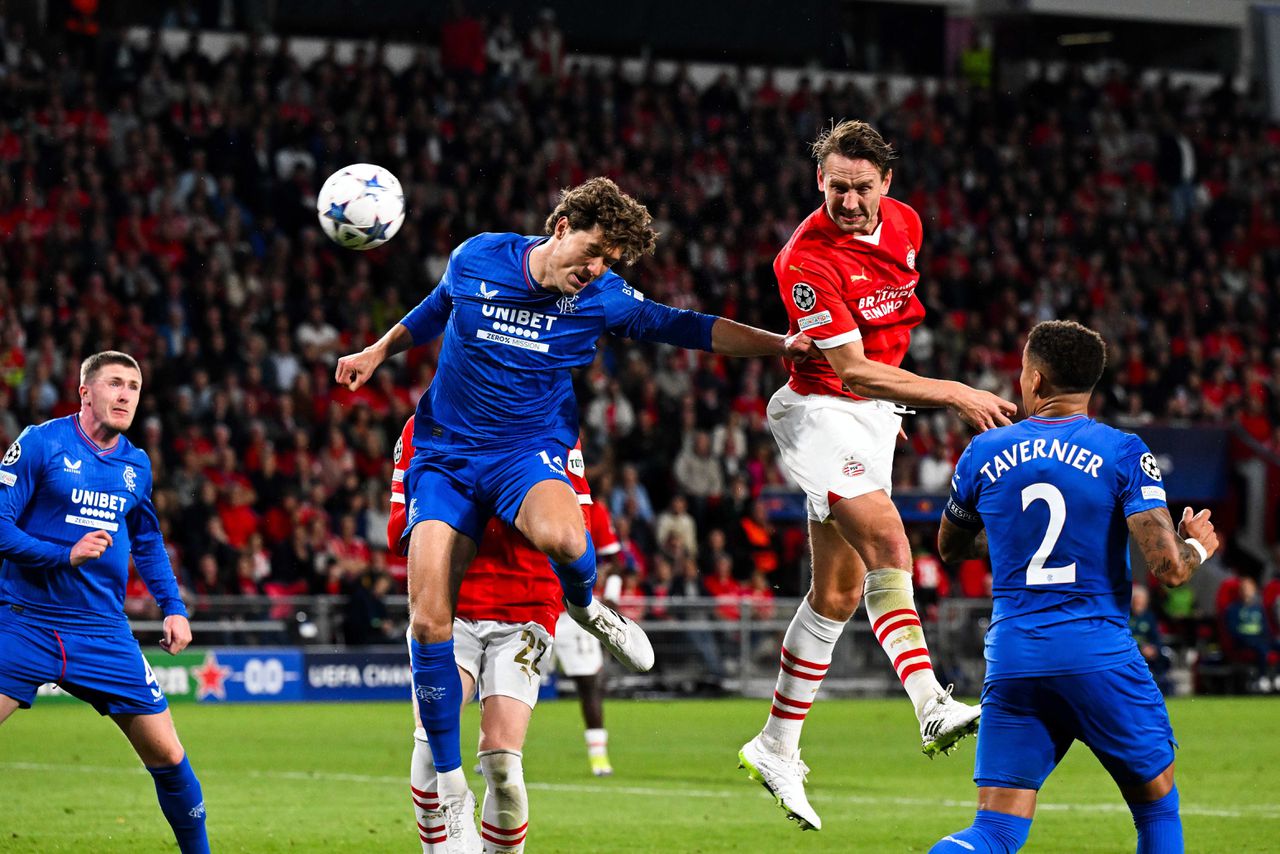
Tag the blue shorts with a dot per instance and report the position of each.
(1029, 723)
(106, 671)
(465, 489)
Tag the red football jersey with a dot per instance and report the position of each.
(509, 580)
(839, 288)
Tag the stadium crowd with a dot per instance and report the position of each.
(162, 203)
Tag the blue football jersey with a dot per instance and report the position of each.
(1053, 495)
(509, 344)
(56, 485)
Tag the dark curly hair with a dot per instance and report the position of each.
(624, 221)
(1070, 356)
(856, 140)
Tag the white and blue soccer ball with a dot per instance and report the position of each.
(361, 206)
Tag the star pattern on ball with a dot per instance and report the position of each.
(377, 231)
(337, 213)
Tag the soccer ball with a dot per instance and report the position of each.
(361, 206)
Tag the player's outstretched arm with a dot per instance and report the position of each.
(355, 369)
(730, 338)
(982, 410)
(1173, 555)
(956, 544)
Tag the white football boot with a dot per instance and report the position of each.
(944, 721)
(784, 778)
(625, 640)
(458, 814)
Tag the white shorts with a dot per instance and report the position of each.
(578, 653)
(503, 658)
(834, 445)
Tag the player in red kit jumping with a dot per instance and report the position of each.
(848, 280)
(504, 630)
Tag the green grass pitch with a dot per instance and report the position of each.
(334, 778)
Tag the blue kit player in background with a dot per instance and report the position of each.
(493, 432)
(1053, 500)
(75, 505)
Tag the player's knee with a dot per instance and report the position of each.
(163, 755)
(889, 551)
(503, 773)
(564, 545)
(426, 627)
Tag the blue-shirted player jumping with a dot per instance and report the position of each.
(75, 505)
(493, 432)
(1059, 496)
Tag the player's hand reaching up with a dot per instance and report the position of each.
(354, 370)
(177, 634)
(1196, 526)
(982, 410)
(90, 547)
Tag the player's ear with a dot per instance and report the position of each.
(562, 228)
(821, 186)
(886, 181)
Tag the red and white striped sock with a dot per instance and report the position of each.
(806, 655)
(504, 817)
(891, 609)
(422, 787)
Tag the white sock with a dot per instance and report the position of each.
(504, 818)
(597, 742)
(806, 655)
(891, 609)
(422, 787)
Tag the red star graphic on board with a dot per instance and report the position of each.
(211, 678)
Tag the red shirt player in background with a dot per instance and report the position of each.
(848, 280)
(507, 616)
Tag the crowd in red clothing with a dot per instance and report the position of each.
(162, 203)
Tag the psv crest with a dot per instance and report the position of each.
(803, 296)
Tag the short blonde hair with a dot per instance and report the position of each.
(90, 366)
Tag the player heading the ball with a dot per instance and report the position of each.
(493, 431)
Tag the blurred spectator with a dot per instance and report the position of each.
(675, 522)
(1146, 633)
(1251, 634)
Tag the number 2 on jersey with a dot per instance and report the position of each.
(1037, 572)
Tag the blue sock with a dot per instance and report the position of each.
(1159, 825)
(437, 688)
(578, 578)
(182, 803)
(990, 833)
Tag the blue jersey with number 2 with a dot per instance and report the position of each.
(1054, 495)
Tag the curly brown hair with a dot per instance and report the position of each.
(1070, 356)
(856, 140)
(624, 221)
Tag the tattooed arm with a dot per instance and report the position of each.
(956, 544)
(1168, 554)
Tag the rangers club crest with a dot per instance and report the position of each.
(1149, 466)
(12, 455)
(130, 478)
(568, 304)
(803, 296)
(430, 693)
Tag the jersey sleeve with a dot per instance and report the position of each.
(962, 505)
(426, 320)
(628, 314)
(1139, 481)
(149, 555)
(20, 470)
(815, 305)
